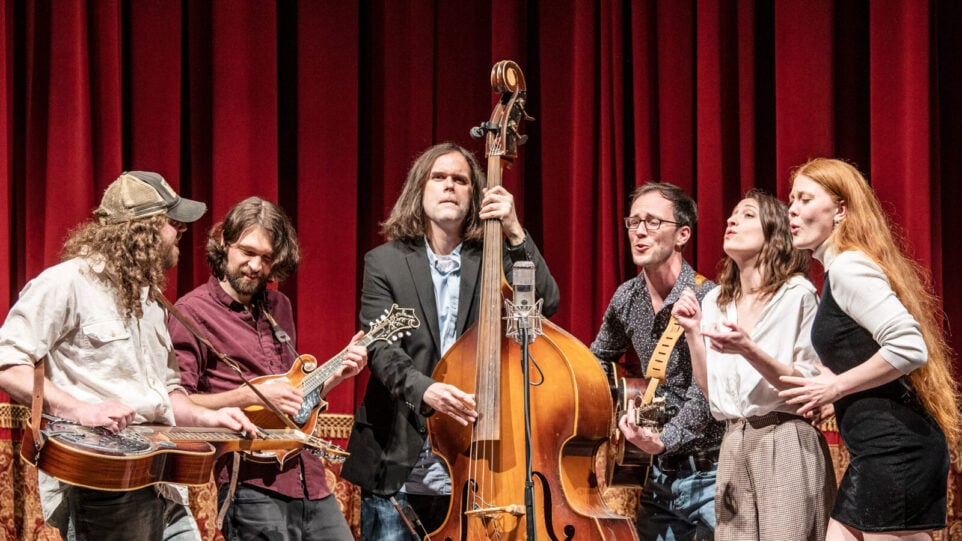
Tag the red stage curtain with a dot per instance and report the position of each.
(323, 104)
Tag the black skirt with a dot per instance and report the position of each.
(897, 476)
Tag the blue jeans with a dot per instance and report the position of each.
(677, 505)
(97, 515)
(380, 520)
(259, 514)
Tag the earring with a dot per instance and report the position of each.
(837, 220)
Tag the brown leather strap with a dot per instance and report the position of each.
(226, 359)
(231, 488)
(658, 364)
(36, 407)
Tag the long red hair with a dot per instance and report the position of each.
(867, 229)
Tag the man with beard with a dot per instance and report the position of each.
(95, 319)
(254, 245)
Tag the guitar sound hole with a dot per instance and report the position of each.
(126, 442)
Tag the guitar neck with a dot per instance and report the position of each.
(315, 380)
(186, 433)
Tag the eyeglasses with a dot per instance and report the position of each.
(651, 224)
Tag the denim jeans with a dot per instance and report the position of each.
(97, 515)
(380, 520)
(262, 515)
(677, 505)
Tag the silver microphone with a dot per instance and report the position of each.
(523, 311)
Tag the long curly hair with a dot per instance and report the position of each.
(407, 221)
(866, 228)
(133, 253)
(778, 260)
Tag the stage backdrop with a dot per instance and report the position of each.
(322, 105)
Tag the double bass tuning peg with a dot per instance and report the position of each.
(524, 112)
(478, 132)
(519, 137)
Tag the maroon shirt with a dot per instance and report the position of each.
(246, 337)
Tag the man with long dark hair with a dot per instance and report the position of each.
(431, 263)
(254, 245)
(95, 320)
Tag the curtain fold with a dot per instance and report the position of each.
(323, 105)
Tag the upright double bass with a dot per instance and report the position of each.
(571, 406)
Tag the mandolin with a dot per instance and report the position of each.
(309, 378)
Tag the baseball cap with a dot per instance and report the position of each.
(139, 194)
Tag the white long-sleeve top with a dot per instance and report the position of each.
(862, 290)
(783, 330)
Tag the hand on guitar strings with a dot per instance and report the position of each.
(111, 415)
(287, 398)
(189, 413)
(355, 359)
(234, 419)
(642, 437)
(452, 402)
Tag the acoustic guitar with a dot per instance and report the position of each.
(309, 378)
(142, 455)
(626, 464)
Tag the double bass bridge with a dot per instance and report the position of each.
(495, 512)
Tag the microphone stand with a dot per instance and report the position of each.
(529, 474)
(524, 325)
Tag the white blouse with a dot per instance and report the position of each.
(783, 330)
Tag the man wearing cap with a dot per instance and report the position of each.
(109, 361)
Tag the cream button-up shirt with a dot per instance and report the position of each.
(70, 315)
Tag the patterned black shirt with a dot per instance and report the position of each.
(630, 321)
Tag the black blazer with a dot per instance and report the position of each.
(389, 428)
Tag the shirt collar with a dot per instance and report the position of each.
(825, 254)
(221, 296)
(433, 258)
(685, 280)
(96, 263)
